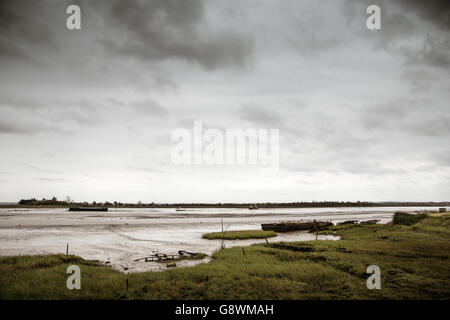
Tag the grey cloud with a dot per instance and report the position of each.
(434, 52)
(38, 169)
(150, 106)
(9, 100)
(145, 169)
(402, 26)
(359, 166)
(162, 30)
(52, 179)
(417, 117)
(261, 115)
(435, 11)
(20, 31)
(15, 128)
(12, 125)
(23, 115)
(442, 158)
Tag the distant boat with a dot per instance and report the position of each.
(88, 209)
(253, 207)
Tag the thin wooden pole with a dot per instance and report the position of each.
(67, 249)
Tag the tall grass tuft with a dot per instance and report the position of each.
(407, 219)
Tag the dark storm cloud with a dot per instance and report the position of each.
(434, 11)
(21, 30)
(402, 21)
(161, 30)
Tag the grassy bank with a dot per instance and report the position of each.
(414, 262)
(239, 235)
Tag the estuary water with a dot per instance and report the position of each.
(120, 236)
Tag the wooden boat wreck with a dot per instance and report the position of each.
(158, 256)
(296, 226)
(88, 209)
(348, 222)
(375, 221)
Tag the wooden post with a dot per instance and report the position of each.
(127, 283)
(243, 251)
(67, 249)
(222, 242)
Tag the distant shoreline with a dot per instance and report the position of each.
(287, 205)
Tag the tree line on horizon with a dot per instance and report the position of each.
(303, 204)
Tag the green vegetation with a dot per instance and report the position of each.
(407, 219)
(239, 235)
(414, 262)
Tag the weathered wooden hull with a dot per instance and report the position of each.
(295, 226)
(348, 222)
(369, 222)
(87, 209)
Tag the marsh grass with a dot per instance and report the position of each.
(239, 235)
(414, 262)
(407, 219)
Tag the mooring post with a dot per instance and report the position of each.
(67, 249)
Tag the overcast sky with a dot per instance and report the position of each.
(362, 115)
